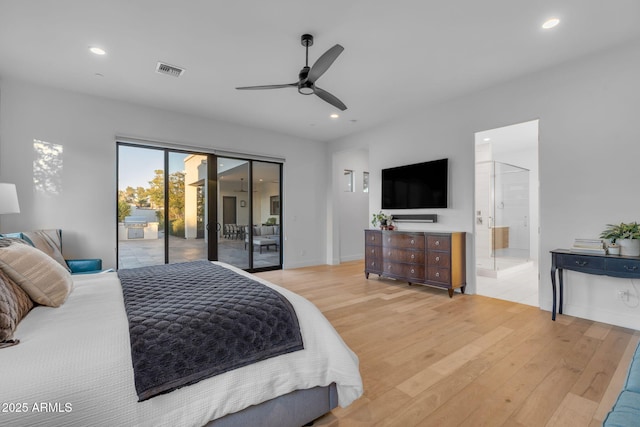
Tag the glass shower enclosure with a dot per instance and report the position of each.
(502, 217)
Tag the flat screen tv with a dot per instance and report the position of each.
(416, 186)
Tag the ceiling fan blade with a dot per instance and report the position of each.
(326, 96)
(267, 86)
(324, 62)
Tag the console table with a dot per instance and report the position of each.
(626, 267)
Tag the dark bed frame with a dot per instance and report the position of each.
(298, 408)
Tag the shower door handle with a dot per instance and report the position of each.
(490, 222)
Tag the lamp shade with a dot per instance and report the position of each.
(8, 199)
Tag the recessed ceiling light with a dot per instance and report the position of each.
(487, 139)
(334, 116)
(97, 50)
(550, 23)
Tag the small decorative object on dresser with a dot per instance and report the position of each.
(435, 259)
(381, 218)
(627, 235)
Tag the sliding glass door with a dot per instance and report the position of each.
(266, 235)
(176, 206)
(249, 210)
(162, 206)
(141, 237)
(234, 199)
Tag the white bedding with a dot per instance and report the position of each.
(73, 367)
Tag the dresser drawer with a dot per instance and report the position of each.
(373, 265)
(410, 271)
(373, 237)
(372, 251)
(439, 243)
(404, 240)
(439, 259)
(403, 255)
(440, 275)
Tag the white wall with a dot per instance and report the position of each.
(86, 127)
(588, 112)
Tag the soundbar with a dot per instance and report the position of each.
(415, 218)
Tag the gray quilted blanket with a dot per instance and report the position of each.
(193, 320)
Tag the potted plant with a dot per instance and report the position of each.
(613, 249)
(382, 219)
(627, 235)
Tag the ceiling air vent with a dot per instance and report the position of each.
(170, 70)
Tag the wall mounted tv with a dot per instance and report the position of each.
(416, 186)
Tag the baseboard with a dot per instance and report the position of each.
(598, 315)
(356, 257)
(310, 263)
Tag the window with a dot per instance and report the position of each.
(349, 181)
(365, 182)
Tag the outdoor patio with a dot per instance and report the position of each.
(144, 252)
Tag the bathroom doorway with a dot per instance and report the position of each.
(506, 212)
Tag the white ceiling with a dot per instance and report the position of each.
(398, 55)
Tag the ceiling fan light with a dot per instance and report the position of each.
(97, 50)
(306, 89)
(550, 23)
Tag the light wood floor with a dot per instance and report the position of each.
(428, 360)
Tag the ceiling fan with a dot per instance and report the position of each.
(308, 75)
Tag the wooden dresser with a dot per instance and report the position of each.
(429, 258)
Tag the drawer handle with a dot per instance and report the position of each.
(632, 268)
(373, 251)
(437, 274)
(437, 258)
(389, 268)
(437, 242)
(412, 270)
(389, 253)
(373, 263)
(412, 257)
(389, 239)
(582, 263)
(412, 241)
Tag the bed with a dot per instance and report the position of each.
(73, 367)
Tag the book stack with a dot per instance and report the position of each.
(589, 246)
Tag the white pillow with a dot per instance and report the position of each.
(40, 276)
